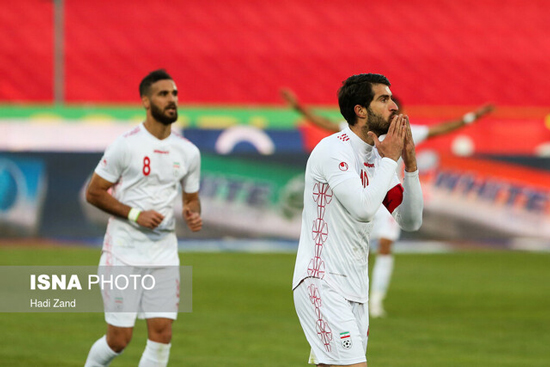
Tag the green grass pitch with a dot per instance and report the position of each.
(462, 309)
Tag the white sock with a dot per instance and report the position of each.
(100, 354)
(155, 354)
(381, 275)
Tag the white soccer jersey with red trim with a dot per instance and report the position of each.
(148, 173)
(333, 245)
(384, 224)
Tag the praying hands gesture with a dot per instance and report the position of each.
(398, 142)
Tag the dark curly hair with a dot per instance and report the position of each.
(357, 90)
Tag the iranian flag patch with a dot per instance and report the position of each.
(345, 338)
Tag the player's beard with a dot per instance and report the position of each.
(377, 123)
(162, 116)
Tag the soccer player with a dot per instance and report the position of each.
(348, 176)
(385, 230)
(145, 168)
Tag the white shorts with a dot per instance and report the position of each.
(385, 226)
(161, 301)
(337, 329)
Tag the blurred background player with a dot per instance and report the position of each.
(145, 168)
(385, 230)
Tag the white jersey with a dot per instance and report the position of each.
(334, 240)
(148, 174)
(384, 225)
(419, 133)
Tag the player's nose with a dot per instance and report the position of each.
(393, 106)
(172, 98)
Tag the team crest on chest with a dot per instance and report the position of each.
(176, 167)
(343, 166)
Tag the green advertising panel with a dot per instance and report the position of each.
(204, 117)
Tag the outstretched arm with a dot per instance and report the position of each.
(316, 119)
(470, 117)
(98, 195)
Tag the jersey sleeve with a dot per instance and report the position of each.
(363, 202)
(333, 164)
(408, 214)
(113, 161)
(191, 181)
(393, 198)
(419, 133)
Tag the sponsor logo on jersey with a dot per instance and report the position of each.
(162, 151)
(343, 166)
(369, 165)
(345, 338)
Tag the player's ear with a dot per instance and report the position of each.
(360, 111)
(146, 102)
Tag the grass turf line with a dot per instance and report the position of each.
(473, 308)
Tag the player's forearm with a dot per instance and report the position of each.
(409, 158)
(192, 211)
(363, 203)
(106, 202)
(409, 213)
(445, 128)
(318, 120)
(192, 202)
(467, 119)
(194, 206)
(324, 123)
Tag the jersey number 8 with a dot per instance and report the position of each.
(146, 166)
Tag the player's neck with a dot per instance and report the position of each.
(157, 129)
(362, 134)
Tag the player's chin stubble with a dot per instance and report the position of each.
(162, 117)
(377, 124)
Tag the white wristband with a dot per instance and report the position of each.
(469, 118)
(134, 214)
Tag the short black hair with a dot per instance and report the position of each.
(357, 90)
(150, 79)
